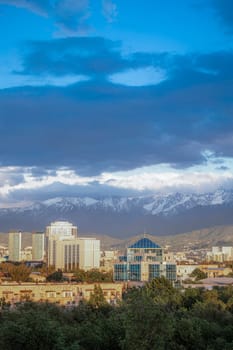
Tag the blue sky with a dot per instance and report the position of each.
(115, 97)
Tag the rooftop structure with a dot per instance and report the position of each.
(61, 229)
(144, 243)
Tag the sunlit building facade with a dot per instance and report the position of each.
(61, 229)
(66, 251)
(14, 243)
(220, 254)
(38, 245)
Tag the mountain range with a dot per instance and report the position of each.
(122, 217)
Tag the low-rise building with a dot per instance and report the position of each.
(60, 293)
(26, 254)
(220, 254)
(216, 271)
(107, 260)
(184, 270)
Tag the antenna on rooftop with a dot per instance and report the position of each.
(144, 233)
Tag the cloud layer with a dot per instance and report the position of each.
(90, 114)
(71, 16)
(98, 125)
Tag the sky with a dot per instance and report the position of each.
(115, 97)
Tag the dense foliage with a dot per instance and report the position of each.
(80, 276)
(92, 276)
(16, 272)
(154, 317)
(198, 274)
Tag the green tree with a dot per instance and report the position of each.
(162, 292)
(80, 275)
(56, 276)
(97, 298)
(18, 273)
(148, 325)
(29, 328)
(191, 296)
(94, 275)
(198, 274)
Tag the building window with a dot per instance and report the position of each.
(51, 294)
(67, 294)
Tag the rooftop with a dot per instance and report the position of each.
(144, 243)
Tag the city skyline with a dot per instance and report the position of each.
(114, 97)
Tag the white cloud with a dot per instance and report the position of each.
(139, 77)
(163, 177)
(215, 173)
(109, 10)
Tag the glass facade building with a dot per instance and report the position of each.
(120, 272)
(135, 272)
(171, 272)
(154, 271)
(143, 261)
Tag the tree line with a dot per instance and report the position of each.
(20, 272)
(154, 317)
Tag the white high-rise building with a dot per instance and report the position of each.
(89, 253)
(64, 254)
(14, 239)
(61, 229)
(38, 245)
(65, 251)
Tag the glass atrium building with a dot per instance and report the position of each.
(143, 261)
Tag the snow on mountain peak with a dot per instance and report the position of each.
(159, 204)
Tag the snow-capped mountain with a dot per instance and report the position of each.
(168, 213)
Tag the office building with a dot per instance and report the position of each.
(57, 230)
(220, 254)
(68, 254)
(38, 245)
(66, 251)
(64, 254)
(89, 253)
(143, 261)
(14, 244)
(61, 229)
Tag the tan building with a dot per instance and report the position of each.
(60, 293)
(107, 259)
(3, 253)
(68, 254)
(184, 270)
(61, 229)
(66, 251)
(89, 253)
(38, 246)
(216, 271)
(26, 254)
(14, 239)
(220, 254)
(64, 254)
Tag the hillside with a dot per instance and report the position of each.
(204, 238)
